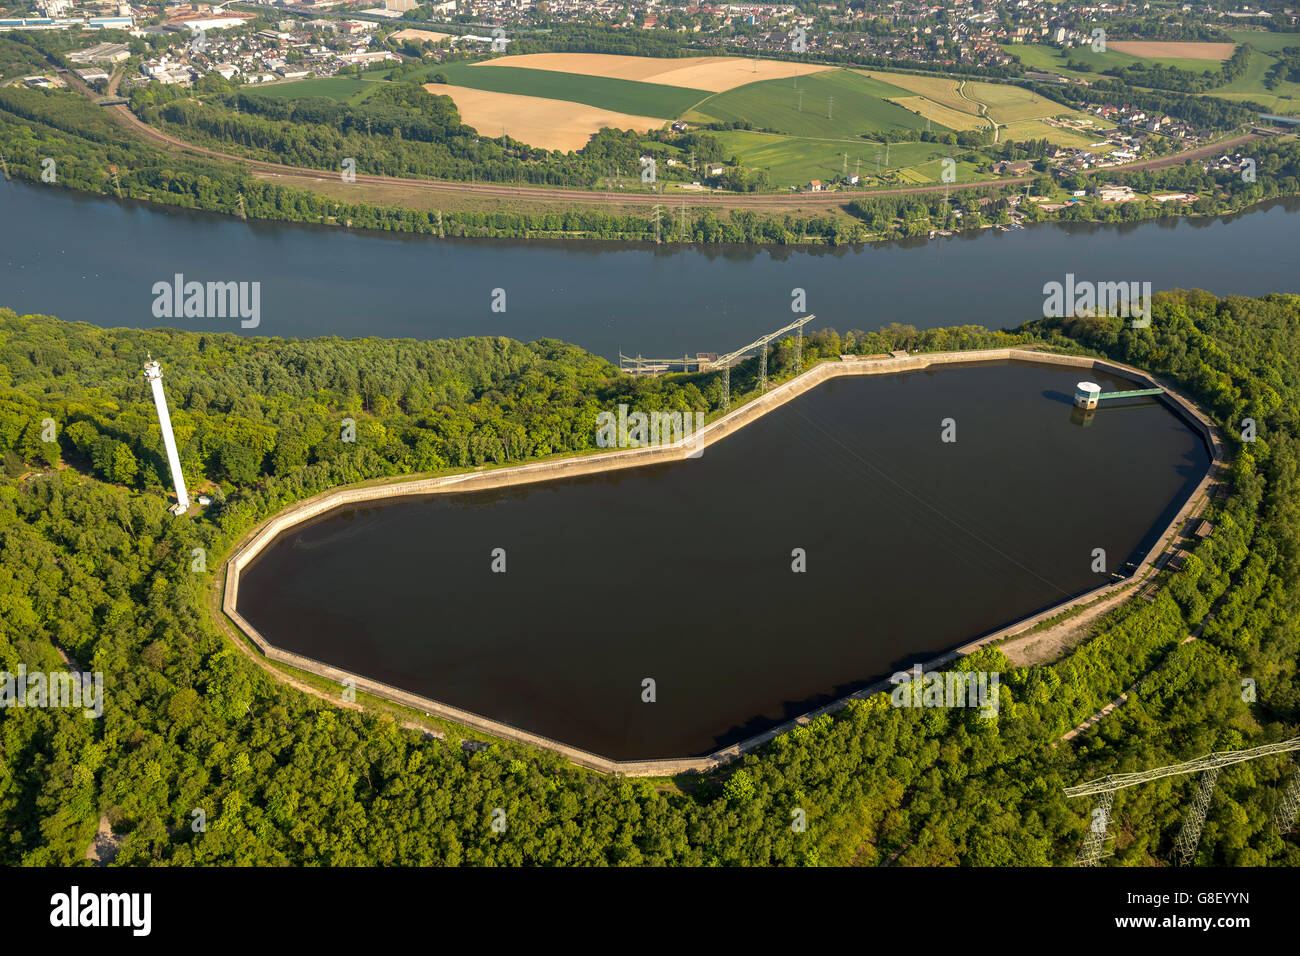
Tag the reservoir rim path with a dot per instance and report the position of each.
(267, 532)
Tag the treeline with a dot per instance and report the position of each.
(1202, 112)
(1190, 30)
(1163, 77)
(400, 130)
(1218, 191)
(94, 154)
(916, 214)
(1286, 68)
(97, 569)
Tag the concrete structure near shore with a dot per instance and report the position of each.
(266, 533)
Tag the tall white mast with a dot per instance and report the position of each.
(153, 372)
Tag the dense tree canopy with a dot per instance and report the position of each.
(93, 567)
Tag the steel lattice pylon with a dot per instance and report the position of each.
(1285, 815)
(1119, 781)
(1095, 840)
(1190, 835)
(1208, 767)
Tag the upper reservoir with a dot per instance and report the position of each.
(96, 260)
(682, 572)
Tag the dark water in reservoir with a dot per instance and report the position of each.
(95, 260)
(682, 572)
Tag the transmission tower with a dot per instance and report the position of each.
(5, 166)
(762, 368)
(656, 215)
(1094, 842)
(844, 167)
(798, 367)
(830, 102)
(1190, 835)
(1285, 815)
(1208, 767)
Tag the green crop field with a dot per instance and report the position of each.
(1268, 42)
(1284, 96)
(1037, 129)
(621, 96)
(1038, 56)
(793, 161)
(838, 104)
(1010, 104)
(345, 89)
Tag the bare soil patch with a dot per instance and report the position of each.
(419, 36)
(1173, 50)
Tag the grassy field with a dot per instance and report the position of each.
(793, 161)
(940, 114)
(619, 96)
(839, 104)
(932, 172)
(1268, 42)
(1038, 56)
(345, 89)
(1284, 97)
(1037, 129)
(941, 91)
(954, 98)
(1012, 104)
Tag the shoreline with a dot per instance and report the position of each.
(266, 532)
(818, 245)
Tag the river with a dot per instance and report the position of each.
(92, 259)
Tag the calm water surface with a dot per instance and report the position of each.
(682, 572)
(96, 260)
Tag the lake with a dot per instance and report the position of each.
(682, 573)
(91, 259)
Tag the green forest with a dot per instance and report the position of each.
(97, 575)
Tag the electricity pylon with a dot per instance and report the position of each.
(1095, 840)
(1208, 767)
(1285, 815)
(1190, 835)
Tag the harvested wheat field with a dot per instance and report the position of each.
(944, 92)
(938, 113)
(419, 36)
(547, 124)
(1157, 49)
(714, 73)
